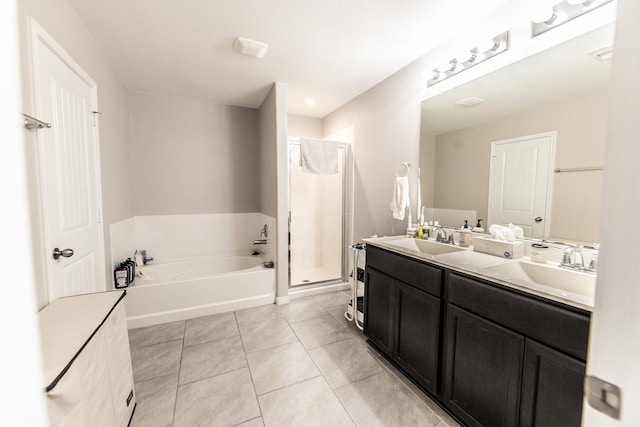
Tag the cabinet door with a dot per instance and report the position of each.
(483, 370)
(551, 388)
(418, 335)
(380, 293)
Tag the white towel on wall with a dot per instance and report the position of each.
(400, 201)
(319, 156)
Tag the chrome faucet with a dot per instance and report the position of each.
(572, 258)
(264, 232)
(443, 237)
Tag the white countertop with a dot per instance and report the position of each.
(482, 265)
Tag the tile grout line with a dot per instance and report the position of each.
(175, 401)
(320, 370)
(253, 383)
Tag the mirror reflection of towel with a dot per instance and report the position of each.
(400, 201)
(318, 156)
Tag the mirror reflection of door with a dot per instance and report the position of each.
(520, 182)
(69, 171)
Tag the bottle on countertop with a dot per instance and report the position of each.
(465, 235)
(420, 232)
(478, 228)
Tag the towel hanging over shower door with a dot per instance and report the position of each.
(319, 156)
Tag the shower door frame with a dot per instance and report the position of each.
(346, 155)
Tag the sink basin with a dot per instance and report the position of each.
(425, 246)
(559, 281)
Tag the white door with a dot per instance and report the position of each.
(69, 171)
(520, 182)
(614, 340)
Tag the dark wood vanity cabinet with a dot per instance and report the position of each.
(483, 370)
(551, 387)
(491, 355)
(380, 297)
(512, 359)
(404, 321)
(417, 340)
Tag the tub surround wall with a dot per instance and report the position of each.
(123, 244)
(167, 237)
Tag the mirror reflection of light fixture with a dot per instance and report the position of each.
(585, 3)
(467, 59)
(547, 16)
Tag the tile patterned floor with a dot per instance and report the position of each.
(299, 364)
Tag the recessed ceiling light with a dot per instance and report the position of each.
(470, 102)
(250, 47)
(602, 54)
(309, 101)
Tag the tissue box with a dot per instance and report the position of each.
(487, 245)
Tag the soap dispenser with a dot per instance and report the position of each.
(478, 228)
(465, 235)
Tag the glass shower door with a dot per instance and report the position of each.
(316, 237)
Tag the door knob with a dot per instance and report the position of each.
(538, 219)
(57, 253)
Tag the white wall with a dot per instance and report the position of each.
(308, 127)
(385, 125)
(268, 155)
(274, 193)
(64, 25)
(21, 395)
(192, 156)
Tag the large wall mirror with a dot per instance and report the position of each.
(563, 90)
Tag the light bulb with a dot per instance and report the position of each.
(543, 11)
(488, 45)
(546, 17)
(451, 67)
(468, 56)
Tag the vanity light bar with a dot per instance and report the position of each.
(562, 12)
(468, 59)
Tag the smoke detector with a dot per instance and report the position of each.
(250, 47)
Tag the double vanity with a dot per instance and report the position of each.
(495, 341)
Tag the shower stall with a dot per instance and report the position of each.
(320, 215)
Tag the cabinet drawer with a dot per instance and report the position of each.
(415, 273)
(561, 328)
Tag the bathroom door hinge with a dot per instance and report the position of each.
(99, 217)
(95, 117)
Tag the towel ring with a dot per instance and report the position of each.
(406, 165)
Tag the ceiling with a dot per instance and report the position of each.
(330, 50)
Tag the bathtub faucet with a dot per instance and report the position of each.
(260, 242)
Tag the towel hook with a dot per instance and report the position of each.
(407, 165)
